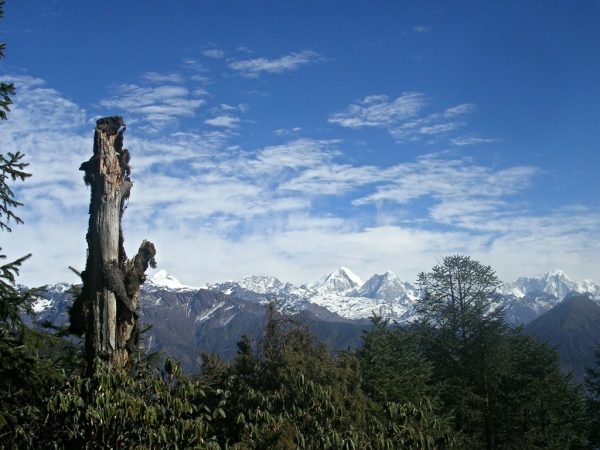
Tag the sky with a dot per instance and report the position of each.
(288, 138)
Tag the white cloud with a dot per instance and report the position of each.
(459, 110)
(445, 179)
(379, 111)
(225, 121)
(219, 211)
(255, 67)
(156, 106)
(462, 141)
(421, 29)
(332, 179)
(287, 131)
(402, 116)
(160, 78)
(214, 53)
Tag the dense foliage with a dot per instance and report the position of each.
(592, 383)
(504, 389)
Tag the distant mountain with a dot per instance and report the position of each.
(188, 320)
(343, 280)
(573, 327)
(343, 294)
(528, 298)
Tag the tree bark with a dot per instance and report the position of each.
(107, 306)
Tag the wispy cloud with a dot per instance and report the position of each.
(462, 141)
(215, 53)
(258, 210)
(402, 117)
(156, 106)
(225, 121)
(448, 179)
(160, 78)
(287, 131)
(379, 111)
(224, 116)
(332, 179)
(421, 29)
(255, 67)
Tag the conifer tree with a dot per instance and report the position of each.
(505, 390)
(592, 384)
(12, 168)
(23, 379)
(461, 324)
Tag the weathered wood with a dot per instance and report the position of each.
(106, 310)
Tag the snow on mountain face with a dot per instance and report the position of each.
(387, 287)
(41, 304)
(554, 283)
(342, 280)
(527, 298)
(344, 294)
(261, 284)
(163, 279)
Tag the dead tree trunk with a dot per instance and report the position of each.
(106, 309)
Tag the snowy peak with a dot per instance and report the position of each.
(261, 284)
(554, 283)
(558, 284)
(386, 287)
(164, 279)
(342, 280)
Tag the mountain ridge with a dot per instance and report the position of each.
(213, 318)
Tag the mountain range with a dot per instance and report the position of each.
(189, 320)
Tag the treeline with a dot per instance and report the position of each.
(457, 378)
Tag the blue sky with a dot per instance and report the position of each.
(288, 138)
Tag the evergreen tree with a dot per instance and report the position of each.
(25, 380)
(592, 384)
(290, 393)
(461, 326)
(12, 168)
(506, 390)
(392, 365)
(539, 406)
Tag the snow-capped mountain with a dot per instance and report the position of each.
(343, 294)
(528, 297)
(163, 279)
(388, 287)
(338, 282)
(555, 283)
(214, 317)
(337, 296)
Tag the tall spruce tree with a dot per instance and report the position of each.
(462, 326)
(505, 389)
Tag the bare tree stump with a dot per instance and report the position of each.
(106, 309)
